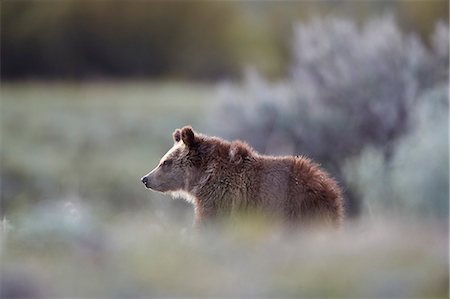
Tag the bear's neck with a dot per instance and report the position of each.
(183, 195)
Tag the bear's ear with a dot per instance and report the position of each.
(188, 136)
(238, 151)
(177, 135)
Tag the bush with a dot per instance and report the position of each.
(349, 88)
(415, 180)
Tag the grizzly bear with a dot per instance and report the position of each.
(221, 178)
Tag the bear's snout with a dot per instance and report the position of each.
(144, 180)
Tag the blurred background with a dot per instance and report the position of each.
(91, 92)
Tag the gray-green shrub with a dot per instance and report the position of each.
(350, 88)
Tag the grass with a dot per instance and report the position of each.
(137, 257)
(78, 223)
(91, 140)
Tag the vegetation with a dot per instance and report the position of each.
(187, 39)
(92, 141)
(101, 234)
(364, 98)
(64, 251)
(353, 88)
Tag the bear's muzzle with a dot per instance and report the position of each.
(145, 181)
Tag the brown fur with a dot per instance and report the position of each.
(222, 178)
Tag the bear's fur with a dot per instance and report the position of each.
(221, 178)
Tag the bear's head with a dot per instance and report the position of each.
(193, 162)
(179, 167)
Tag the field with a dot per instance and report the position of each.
(90, 141)
(78, 223)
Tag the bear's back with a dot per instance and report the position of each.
(298, 189)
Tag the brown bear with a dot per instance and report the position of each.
(221, 178)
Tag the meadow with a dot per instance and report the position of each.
(89, 140)
(77, 222)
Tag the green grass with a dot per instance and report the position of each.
(137, 257)
(78, 223)
(94, 140)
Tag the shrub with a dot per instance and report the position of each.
(416, 180)
(350, 87)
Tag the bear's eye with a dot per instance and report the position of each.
(167, 163)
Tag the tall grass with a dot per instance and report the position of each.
(137, 257)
